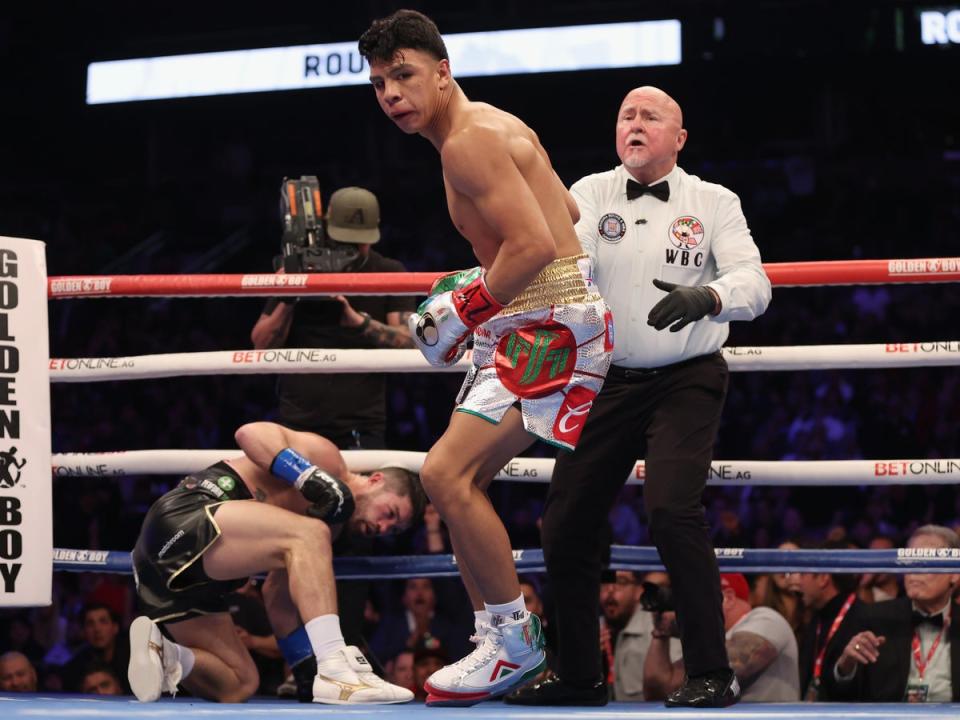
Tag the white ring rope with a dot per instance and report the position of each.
(317, 360)
(941, 471)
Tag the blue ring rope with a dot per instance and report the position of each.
(622, 557)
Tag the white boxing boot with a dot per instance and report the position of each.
(506, 657)
(344, 677)
(154, 661)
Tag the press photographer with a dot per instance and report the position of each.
(351, 410)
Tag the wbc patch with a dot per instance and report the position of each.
(612, 228)
(686, 232)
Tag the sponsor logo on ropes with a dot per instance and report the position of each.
(12, 461)
(612, 228)
(924, 266)
(928, 552)
(928, 347)
(92, 363)
(736, 351)
(80, 556)
(537, 360)
(282, 356)
(517, 556)
(729, 553)
(81, 286)
(281, 280)
(916, 467)
(99, 470)
(717, 471)
(515, 468)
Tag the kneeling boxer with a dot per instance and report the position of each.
(276, 509)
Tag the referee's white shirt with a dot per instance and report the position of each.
(698, 237)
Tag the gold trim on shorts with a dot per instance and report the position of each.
(559, 283)
(199, 555)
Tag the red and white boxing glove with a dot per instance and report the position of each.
(443, 322)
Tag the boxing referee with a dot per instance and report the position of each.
(674, 259)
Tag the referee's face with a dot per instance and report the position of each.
(649, 133)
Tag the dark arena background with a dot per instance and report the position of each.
(836, 123)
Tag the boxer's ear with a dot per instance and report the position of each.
(443, 74)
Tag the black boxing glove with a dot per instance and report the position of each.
(682, 305)
(332, 500)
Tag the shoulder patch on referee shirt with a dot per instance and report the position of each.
(612, 228)
(686, 232)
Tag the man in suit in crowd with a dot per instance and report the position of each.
(908, 649)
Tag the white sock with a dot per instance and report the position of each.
(515, 611)
(325, 635)
(184, 656)
(480, 618)
(187, 659)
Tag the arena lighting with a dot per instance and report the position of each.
(940, 27)
(504, 52)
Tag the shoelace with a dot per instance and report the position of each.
(484, 653)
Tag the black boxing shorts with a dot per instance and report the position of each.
(178, 529)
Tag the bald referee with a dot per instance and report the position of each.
(674, 258)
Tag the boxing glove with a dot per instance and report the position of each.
(332, 500)
(444, 321)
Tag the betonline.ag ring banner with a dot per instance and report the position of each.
(26, 510)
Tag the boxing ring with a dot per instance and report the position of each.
(723, 472)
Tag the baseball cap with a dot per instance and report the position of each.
(353, 216)
(736, 582)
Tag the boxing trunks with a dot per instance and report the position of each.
(549, 349)
(178, 529)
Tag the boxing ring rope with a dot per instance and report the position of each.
(323, 360)
(792, 274)
(724, 473)
(622, 557)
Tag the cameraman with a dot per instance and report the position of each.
(760, 645)
(626, 627)
(350, 409)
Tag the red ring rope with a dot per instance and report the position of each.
(793, 274)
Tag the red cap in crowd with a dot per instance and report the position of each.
(736, 582)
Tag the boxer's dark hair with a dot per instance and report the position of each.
(404, 29)
(406, 484)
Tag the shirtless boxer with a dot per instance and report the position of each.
(276, 509)
(542, 334)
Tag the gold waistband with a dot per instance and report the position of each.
(559, 283)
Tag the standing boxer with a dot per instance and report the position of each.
(541, 332)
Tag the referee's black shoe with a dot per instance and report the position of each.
(554, 691)
(716, 689)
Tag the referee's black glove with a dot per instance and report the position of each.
(682, 305)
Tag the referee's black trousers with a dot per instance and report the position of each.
(669, 417)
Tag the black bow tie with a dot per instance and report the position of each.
(919, 618)
(660, 190)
